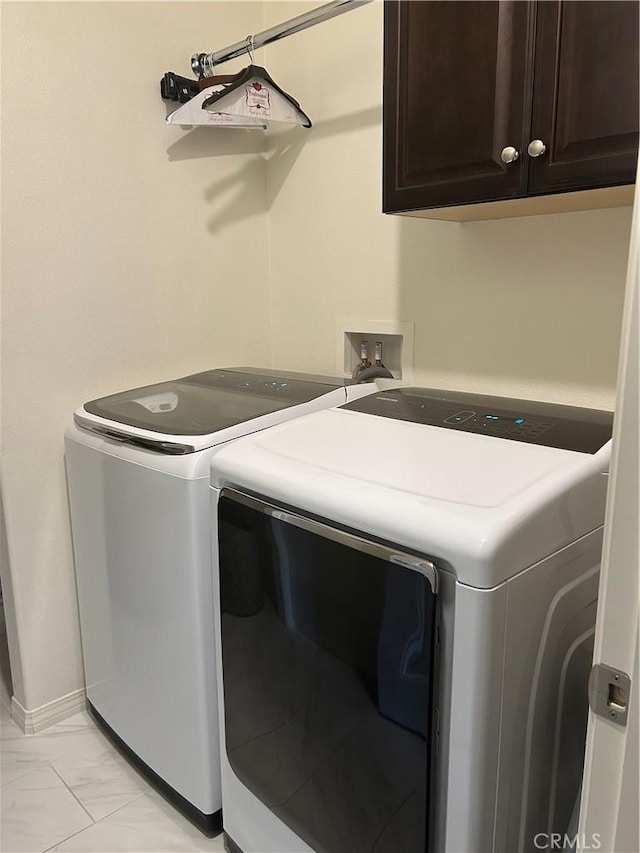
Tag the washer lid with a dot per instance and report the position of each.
(486, 506)
(207, 402)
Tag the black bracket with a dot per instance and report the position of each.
(173, 87)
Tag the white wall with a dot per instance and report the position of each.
(529, 307)
(132, 252)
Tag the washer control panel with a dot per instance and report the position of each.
(548, 424)
(493, 424)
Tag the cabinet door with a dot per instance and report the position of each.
(585, 107)
(457, 90)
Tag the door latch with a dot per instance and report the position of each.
(609, 691)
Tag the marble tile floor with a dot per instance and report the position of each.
(68, 789)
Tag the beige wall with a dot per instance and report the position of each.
(529, 307)
(133, 251)
(124, 261)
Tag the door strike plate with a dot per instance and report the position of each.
(609, 691)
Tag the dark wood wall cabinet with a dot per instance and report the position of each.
(508, 102)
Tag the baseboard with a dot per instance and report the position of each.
(41, 718)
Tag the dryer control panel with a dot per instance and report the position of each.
(533, 422)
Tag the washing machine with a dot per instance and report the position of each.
(405, 608)
(138, 477)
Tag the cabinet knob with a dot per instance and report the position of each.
(509, 154)
(536, 147)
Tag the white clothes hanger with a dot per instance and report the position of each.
(255, 94)
(195, 113)
(250, 98)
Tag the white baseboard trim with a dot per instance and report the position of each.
(41, 718)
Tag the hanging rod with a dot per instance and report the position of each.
(202, 63)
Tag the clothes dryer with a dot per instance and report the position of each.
(138, 474)
(405, 611)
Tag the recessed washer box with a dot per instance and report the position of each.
(397, 346)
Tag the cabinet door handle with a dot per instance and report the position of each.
(509, 154)
(536, 147)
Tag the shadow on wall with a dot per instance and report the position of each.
(265, 162)
(510, 305)
(233, 196)
(235, 192)
(284, 147)
(202, 142)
